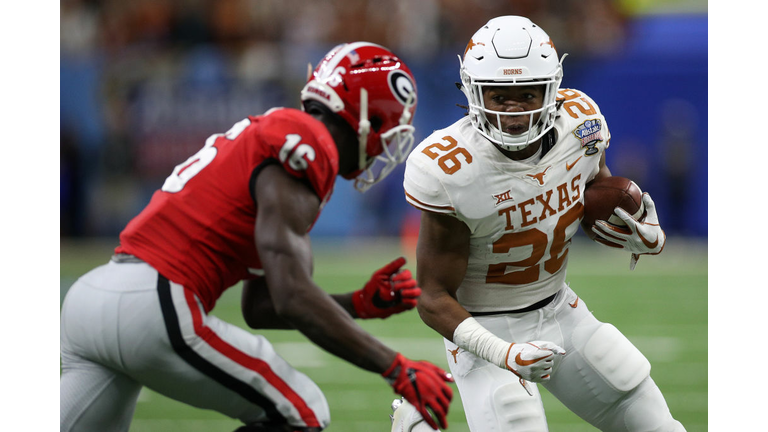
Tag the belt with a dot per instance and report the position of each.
(533, 307)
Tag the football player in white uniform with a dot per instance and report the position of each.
(501, 193)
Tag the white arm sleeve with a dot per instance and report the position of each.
(473, 337)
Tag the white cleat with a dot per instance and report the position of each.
(405, 418)
(395, 404)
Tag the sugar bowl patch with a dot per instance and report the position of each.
(590, 133)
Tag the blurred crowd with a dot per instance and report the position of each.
(250, 29)
(144, 82)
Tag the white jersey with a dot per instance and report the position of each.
(521, 216)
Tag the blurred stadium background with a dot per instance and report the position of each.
(143, 83)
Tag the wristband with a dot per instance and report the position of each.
(473, 337)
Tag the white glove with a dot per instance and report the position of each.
(532, 361)
(639, 237)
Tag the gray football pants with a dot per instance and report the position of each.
(123, 327)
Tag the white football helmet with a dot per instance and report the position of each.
(511, 51)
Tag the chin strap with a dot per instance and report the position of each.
(503, 139)
(363, 130)
(396, 145)
(405, 118)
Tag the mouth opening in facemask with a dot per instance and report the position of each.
(531, 133)
(490, 122)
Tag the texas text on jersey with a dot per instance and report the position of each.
(179, 231)
(514, 263)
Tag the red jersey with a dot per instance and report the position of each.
(198, 229)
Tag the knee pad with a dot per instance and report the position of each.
(619, 365)
(516, 410)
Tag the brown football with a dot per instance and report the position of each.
(603, 195)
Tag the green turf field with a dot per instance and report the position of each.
(661, 307)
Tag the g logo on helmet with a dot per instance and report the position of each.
(401, 85)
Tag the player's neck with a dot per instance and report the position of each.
(343, 136)
(523, 154)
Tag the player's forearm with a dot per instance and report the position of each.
(259, 311)
(326, 323)
(257, 307)
(444, 314)
(267, 318)
(345, 301)
(441, 312)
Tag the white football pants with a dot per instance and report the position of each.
(123, 327)
(602, 378)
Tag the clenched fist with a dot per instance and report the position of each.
(389, 291)
(532, 361)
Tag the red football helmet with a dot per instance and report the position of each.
(375, 92)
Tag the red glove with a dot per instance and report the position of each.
(389, 291)
(423, 385)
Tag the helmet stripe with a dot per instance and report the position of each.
(329, 67)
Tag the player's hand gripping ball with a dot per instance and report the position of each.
(632, 225)
(602, 197)
(389, 291)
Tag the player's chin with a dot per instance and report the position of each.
(516, 129)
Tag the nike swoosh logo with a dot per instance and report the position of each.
(519, 360)
(647, 243)
(574, 304)
(569, 166)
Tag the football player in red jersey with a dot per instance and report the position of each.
(241, 209)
